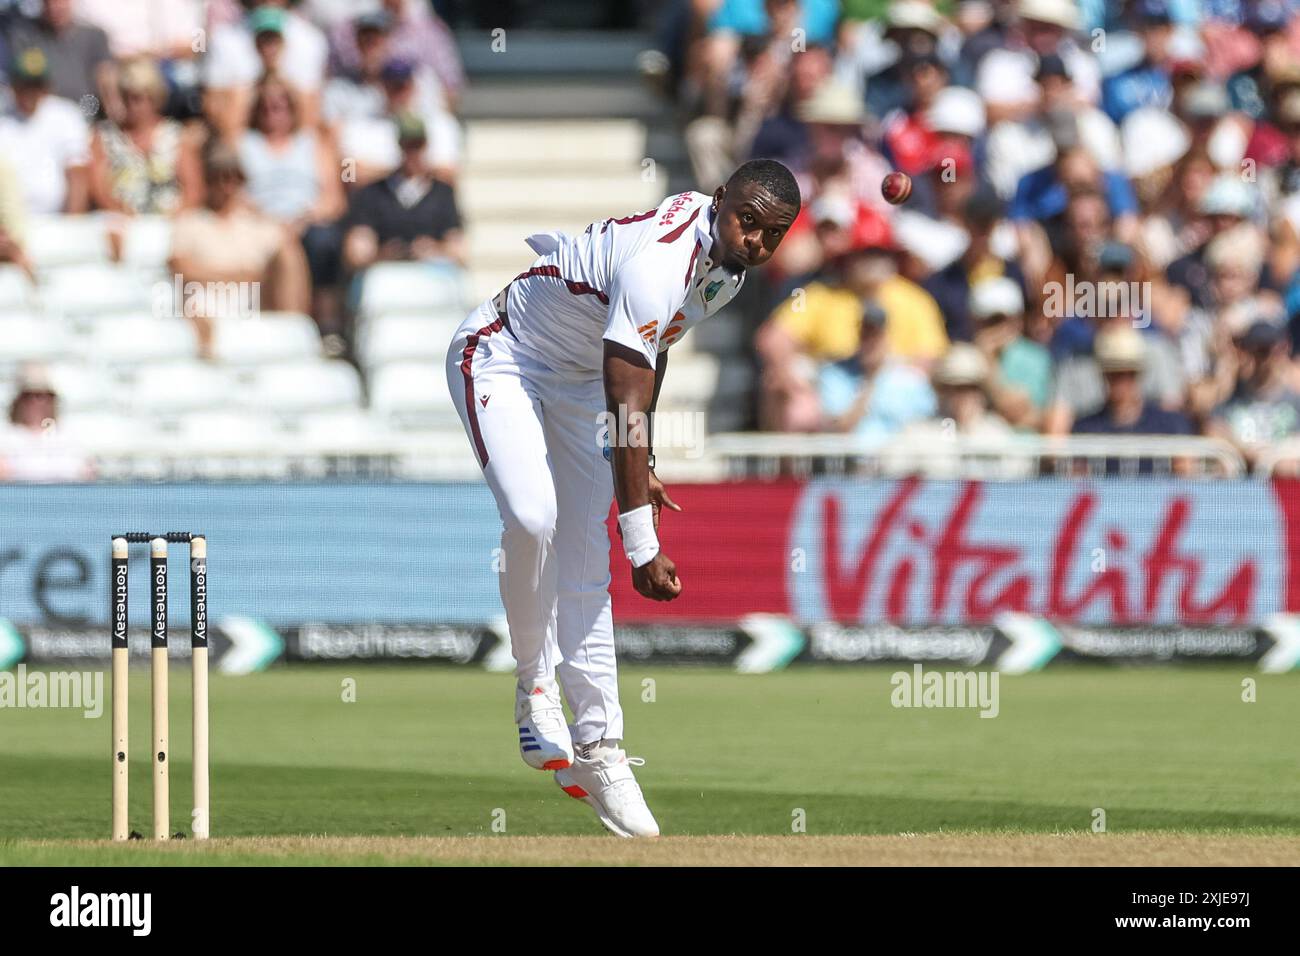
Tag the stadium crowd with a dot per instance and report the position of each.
(1104, 230)
(289, 145)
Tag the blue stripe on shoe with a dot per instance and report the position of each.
(527, 740)
(532, 747)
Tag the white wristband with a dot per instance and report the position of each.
(640, 542)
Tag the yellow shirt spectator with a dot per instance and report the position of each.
(826, 321)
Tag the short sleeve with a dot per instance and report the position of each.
(642, 299)
(1120, 195)
(74, 139)
(836, 389)
(447, 215)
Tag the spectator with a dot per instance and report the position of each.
(960, 383)
(1227, 204)
(13, 220)
(78, 55)
(823, 319)
(419, 36)
(272, 39)
(408, 215)
(1264, 406)
(50, 136)
(227, 241)
(357, 92)
(1116, 307)
(1020, 371)
(1125, 410)
(293, 177)
(1018, 146)
(146, 165)
(32, 448)
(1042, 196)
(838, 156)
(909, 137)
(1148, 82)
(912, 30)
(722, 81)
(368, 137)
(163, 30)
(871, 394)
(781, 134)
(951, 285)
(1005, 76)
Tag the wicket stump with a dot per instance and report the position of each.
(160, 751)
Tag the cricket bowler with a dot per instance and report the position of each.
(533, 371)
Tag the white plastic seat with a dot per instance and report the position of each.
(412, 287)
(690, 384)
(17, 294)
(146, 243)
(228, 431)
(32, 338)
(140, 340)
(292, 388)
(171, 390)
(274, 337)
(394, 338)
(350, 430)
(81, 388)
(95, 291)
(104, 432)
(54, 241)
(412, 395)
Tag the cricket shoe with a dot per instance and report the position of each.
(601, 777)
(544, 740)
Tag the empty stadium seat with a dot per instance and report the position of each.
(274, 337)
(107, 433)
(140, 340)
(393, 338)
(32, 338)
(297, 387)
(689, 383)
(351, 429)
(54, 241)
(92, 291)
(227, 431)
(412, 395)
(422, 288)
(81, 388)
(16, 290)
(146, 242)
(172, 389)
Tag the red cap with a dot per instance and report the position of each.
(871, 230)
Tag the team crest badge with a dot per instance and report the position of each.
(711, 290)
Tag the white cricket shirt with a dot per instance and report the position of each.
(642, 281)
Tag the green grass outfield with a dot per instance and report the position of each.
(430, 752)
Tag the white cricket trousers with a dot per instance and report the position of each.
(536, 436)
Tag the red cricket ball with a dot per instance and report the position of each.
(896, 188)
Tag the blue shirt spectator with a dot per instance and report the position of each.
(749, 18)
(898, 394)
(1040, 195)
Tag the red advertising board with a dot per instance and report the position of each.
(914, 552)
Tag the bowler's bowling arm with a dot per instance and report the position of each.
(631, 386)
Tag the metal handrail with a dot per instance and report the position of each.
(772, 448)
